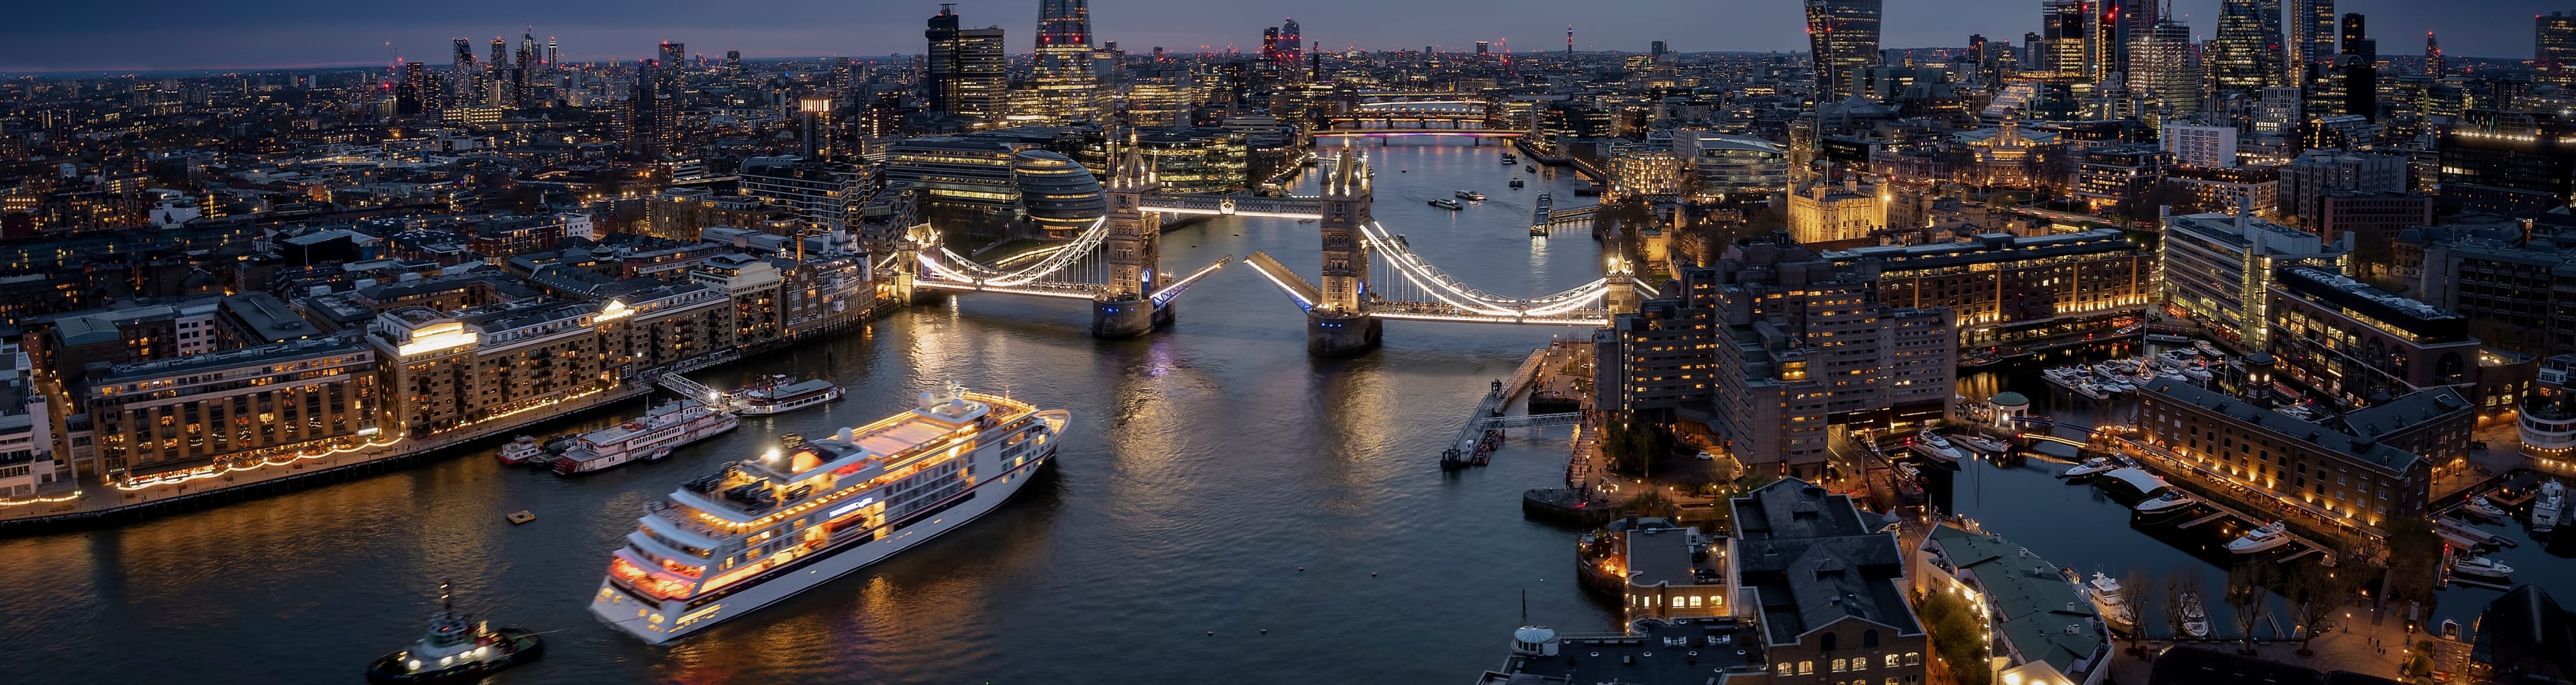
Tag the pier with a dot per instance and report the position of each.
(1483, 431)
(2147, 455)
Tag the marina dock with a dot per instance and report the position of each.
(1476, 439)
(2220, 510)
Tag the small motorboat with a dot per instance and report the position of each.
(2481, 567)
(2261, 538)
(524, 449)
(2195, 614)
(1528, 168)
(456, 650)
(1448, 204)
(1516, 183)
(2091, 467)
(2480, 507)
(2171, 500)
(1470, 195)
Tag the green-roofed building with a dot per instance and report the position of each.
(2044, 632)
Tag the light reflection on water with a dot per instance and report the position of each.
(1204, 467)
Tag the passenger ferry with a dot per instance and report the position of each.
(660, 430)
(775, 395)
(760, 530)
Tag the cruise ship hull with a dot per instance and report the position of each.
(659, 622)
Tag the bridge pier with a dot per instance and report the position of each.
(1341, 334)
(1127, 318)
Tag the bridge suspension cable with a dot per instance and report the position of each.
(1083, 251)
(1445, 288)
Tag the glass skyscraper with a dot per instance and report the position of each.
(2247, 54)
(1067, 87)
(1844, 37)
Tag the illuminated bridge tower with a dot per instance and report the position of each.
(1339, 324)
(1126, 306)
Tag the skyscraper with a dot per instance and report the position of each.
(1843, 38)
(2433, 65)
(496, 84)
(1291, 40)
(527, 68)
(2553, 48)
(554, 53)
(2246, 55)
(2160, 68)
(666, 81)
(2066, 25)
(939, 60)
(2311, 26)
(733, 65)
(1067, 87)
(467, 79)
(2356, 41)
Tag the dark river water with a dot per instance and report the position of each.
(1203, 468)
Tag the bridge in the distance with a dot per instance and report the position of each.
(1368, 274)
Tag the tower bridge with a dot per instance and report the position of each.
(1368, 274)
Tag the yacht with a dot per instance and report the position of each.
(1448, 204)
(2108, 601)
(2480, 507)
(1981, 443)
(775, 395)
(2208, 349)
(2261, 538)
(2171, 500)
(652, 436)
(1938, 448)
(2481, 567)
(2545, 506)
(2195, 614)
(2091, 467)
(523, 450)
(2088, 389)
(456, 650)
(759, 530)
(1470, 195)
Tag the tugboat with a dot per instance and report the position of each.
(2264, 537)
(524, 449)
(2195, 614)
(456, 650)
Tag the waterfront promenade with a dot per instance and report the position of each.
(86, 500)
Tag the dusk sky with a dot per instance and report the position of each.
(169, 34)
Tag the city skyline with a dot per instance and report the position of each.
(70, 34)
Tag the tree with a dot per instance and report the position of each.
(1958, 637)
(2315, 596)
(1652, 502)
(2414, 560)
(2133, 610)
(2245, 594)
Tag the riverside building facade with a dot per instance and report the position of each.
(169, 418)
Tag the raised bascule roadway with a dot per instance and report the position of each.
(1368, 274)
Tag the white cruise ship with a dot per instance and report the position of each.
(763, 529)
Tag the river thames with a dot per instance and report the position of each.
(1204, 466)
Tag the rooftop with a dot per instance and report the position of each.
(1813, 561)
(1689, 651)
(2042, 617)
(248, 356)
(2367, 451)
